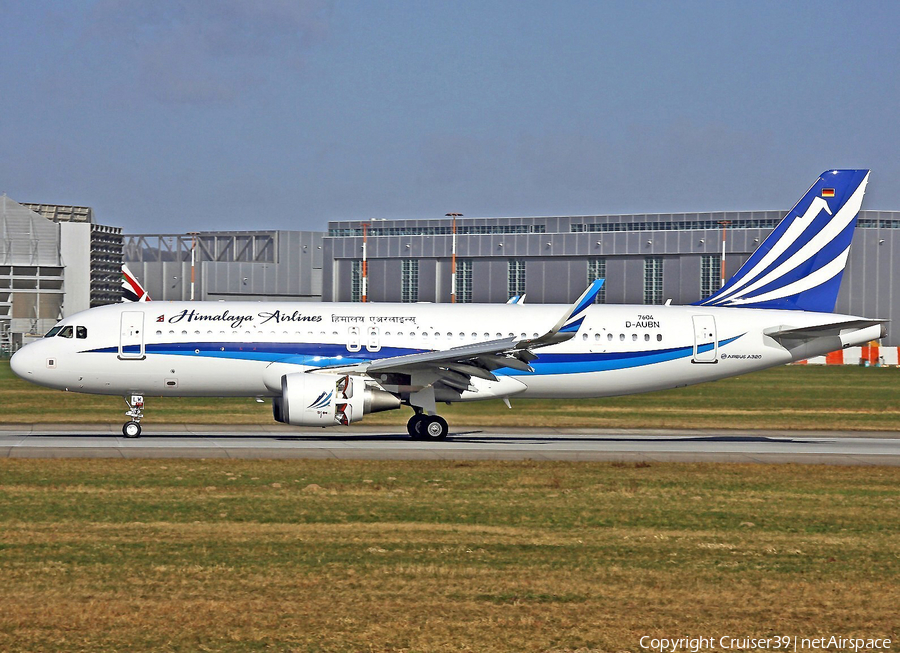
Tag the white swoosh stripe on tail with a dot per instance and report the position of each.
(831, 231)
(817, 278)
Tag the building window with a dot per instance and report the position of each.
(464, 281)
(409, 280)
(653, 280)
(597, 270)
(710, 274)
(516, 277)
(355, 281)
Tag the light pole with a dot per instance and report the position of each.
(724, 224)
(453, 256)
(193, 235)
(365, 272)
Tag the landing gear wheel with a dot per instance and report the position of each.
(414, 426)
(131, 430)
(135, 411)
(434, 427)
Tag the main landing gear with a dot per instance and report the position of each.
(135, 411)
(427, 427)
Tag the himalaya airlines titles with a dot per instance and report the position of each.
(236, 321)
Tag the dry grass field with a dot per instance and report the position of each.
(795, 397)
(218, 555)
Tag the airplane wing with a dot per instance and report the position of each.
(456, 366)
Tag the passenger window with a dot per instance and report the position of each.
(634, 337)
(609, 336)
(52, 332)
(66, 332)
(658, 337)
(81, 332)
(646, 337)
(622, 337)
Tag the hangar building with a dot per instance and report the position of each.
(645, 259)
(55, 261)
(248, 265)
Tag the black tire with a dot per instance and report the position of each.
(131, 430)
(434, 427)
(414, 426)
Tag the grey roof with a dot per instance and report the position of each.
(27, 238)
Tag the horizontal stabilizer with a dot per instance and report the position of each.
(823, 330)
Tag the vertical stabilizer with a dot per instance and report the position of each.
(132, 291)
(800, 265)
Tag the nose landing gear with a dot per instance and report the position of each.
(135, 411)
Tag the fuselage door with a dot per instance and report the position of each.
(706, 349)
(131, 336)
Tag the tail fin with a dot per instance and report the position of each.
(132, 291)
(800, 265)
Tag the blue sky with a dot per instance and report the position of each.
(171, 116)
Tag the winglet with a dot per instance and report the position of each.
(569, 323)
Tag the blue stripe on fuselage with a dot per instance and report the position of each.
(326, 355)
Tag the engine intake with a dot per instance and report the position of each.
(328, 400)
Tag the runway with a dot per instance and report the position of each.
(389, 443)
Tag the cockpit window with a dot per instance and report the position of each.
(81, 332)
(52, 332)
(66, 332)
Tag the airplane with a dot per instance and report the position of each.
(132, 290)
(331, 364)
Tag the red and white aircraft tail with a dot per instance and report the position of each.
(132, 291)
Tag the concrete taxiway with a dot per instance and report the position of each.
(389, 443)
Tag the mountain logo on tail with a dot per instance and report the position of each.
(799, 266)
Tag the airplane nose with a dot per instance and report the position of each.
(21, 363)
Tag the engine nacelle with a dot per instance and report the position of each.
(328, 400)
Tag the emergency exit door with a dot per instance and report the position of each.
(131, 336)
(706, 347)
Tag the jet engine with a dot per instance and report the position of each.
(328, 400)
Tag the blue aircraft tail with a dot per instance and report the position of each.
(800, 265)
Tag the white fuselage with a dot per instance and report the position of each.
(243, 348)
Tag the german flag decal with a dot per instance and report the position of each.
(827, 192)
